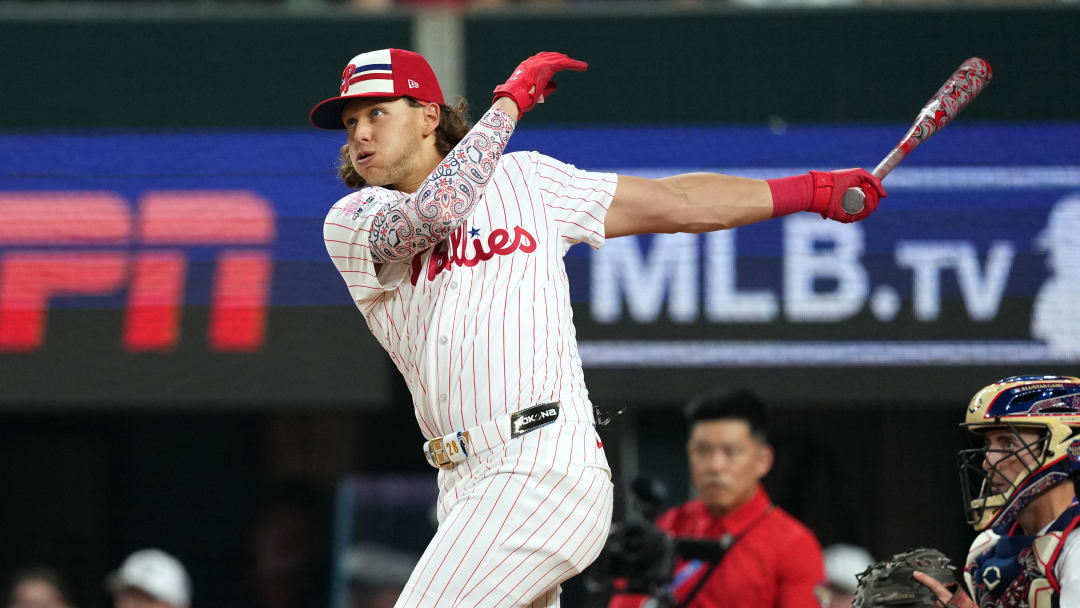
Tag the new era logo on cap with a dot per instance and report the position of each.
(382, 73)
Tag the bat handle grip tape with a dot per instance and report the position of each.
(854, 199)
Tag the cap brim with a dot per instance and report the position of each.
(327, 115)
(115, 583)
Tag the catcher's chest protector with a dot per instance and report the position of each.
(1017, 570)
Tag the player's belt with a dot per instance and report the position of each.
(445, 452)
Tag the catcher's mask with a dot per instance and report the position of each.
(1047, 405)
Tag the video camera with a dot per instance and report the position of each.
(639, 558)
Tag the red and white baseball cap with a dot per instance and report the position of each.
(383, 73)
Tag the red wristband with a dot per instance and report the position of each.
(791, 194)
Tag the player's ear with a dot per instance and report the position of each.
(432, 116)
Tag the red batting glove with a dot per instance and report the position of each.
(531, 81)
(829, 191)
(823, 192)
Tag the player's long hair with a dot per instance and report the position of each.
(454, 123)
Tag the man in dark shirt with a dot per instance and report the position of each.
(775, 561)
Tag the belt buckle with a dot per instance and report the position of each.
(445, 452)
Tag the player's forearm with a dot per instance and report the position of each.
(448, 196)
(709, 201)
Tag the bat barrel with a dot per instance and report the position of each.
(964, 85)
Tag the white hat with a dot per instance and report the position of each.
(843, 562)
(156, 573)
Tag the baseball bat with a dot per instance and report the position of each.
(965, 83)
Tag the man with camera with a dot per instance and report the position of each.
(770, 559)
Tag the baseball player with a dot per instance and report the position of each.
(1018, 487)
(453, 253)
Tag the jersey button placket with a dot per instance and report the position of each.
(444, 341)
(442, 358)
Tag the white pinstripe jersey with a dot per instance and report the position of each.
(481, 324)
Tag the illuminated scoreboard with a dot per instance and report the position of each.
(188, 269)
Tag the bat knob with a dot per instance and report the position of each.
(854, 200)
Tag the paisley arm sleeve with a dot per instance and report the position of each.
(417, 221)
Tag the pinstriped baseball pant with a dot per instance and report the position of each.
(516, 522)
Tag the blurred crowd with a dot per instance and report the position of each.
(296, 553)
(148, 578)
(289, 566)
(152, 578)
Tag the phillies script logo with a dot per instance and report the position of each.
(345, 76)
(455, 250)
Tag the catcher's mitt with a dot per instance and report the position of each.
(889, 582)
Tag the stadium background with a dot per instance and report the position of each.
(121, 431)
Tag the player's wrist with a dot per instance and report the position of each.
(807, 192)
(507, 104)
(791, 194)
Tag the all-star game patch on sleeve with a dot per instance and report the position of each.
(577, 200)
(346, 233)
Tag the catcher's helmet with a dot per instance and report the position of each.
(1049, 405)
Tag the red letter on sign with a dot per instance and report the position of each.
(209, 217)
(238, 308)
(63, 218)
(28, 280)
(242, 279)
(152, 321)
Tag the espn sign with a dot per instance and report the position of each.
(90, 243)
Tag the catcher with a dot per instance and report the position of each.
(1020, 497)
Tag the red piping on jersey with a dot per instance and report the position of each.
(1057, 551)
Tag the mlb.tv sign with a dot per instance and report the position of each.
(960, 266)
(97, 244)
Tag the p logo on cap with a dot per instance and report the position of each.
(345, 76)
(382, 73)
